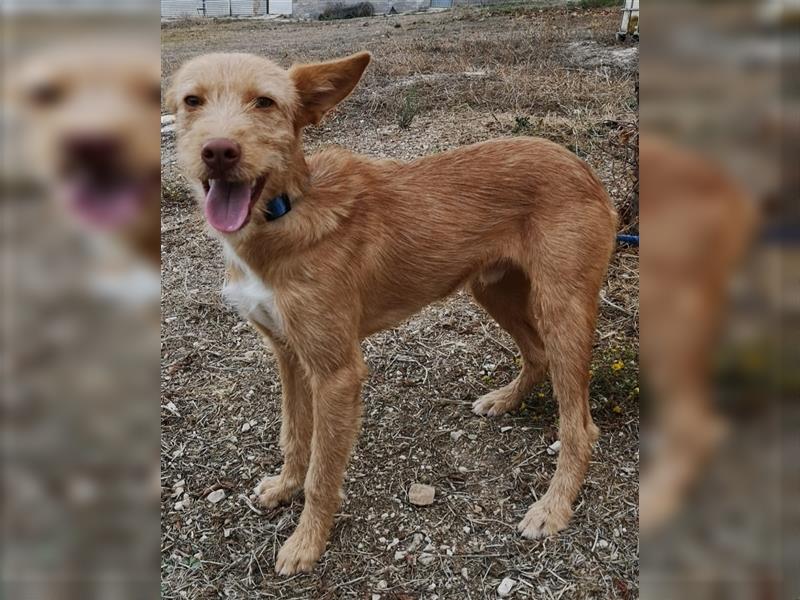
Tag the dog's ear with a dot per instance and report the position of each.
(322, 86)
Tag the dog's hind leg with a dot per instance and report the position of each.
(296, 432)
(507, 300)
(568, 312)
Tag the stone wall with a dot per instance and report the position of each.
(310, 9)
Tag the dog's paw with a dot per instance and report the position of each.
(274, 491)
(299, 554)
(544, 518)
(496, 403)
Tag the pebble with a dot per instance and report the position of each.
(246, 427)
(602, 544)
(382, 585)
(399, 555)
(421, 494)
(553, 448)
(505, 587)
(216, 496)
(455, 435)
(426, 558)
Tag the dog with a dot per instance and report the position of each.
(89, 113)
(699, 225)
(325, 250)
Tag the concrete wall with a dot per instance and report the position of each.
(214, 8)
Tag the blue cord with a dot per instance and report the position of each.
(632, 240)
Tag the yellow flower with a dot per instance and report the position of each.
(617, 409)
(618, 365)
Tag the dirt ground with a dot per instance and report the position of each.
(438, 81)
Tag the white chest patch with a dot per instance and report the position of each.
(253, 298)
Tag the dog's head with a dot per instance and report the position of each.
(91, 132)
(239, 122)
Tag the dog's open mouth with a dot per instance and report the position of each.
(104, 200)
(228, 203)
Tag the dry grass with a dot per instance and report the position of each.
(476, 74)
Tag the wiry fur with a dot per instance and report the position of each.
(523, 223)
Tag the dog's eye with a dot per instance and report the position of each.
(46, 95)
(192, 101)
(264, 102)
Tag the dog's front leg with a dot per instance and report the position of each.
(336, 393)
(296, 431)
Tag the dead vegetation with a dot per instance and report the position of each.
(437, 81)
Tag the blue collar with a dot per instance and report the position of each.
(277, 207)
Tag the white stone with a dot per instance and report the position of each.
(216, 496)
(554, 448)
(421, 494)
(426, 558)
(505, 587)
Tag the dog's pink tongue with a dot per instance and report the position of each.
(227, 204)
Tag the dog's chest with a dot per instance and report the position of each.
(251, 296)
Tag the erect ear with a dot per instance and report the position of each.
(171, 97)
(322, 86)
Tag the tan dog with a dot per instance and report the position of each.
(523, 223)
(90, 130)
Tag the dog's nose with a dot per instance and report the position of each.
(221, 155)
(92, 150)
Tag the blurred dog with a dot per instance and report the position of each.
(91, 133)
(323, 251)
(697, 224)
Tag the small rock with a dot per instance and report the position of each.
(246, 427)
(455, 435)
(602, 544)
(375, 596)
(226, 532)
(505, 587)
(216, 496)
(399, 555)
(462, 469)
(467, 529)
(426, 558)
(553, 448)
(420, 494)
(382, 585)
(415, 543)
(465, 573)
